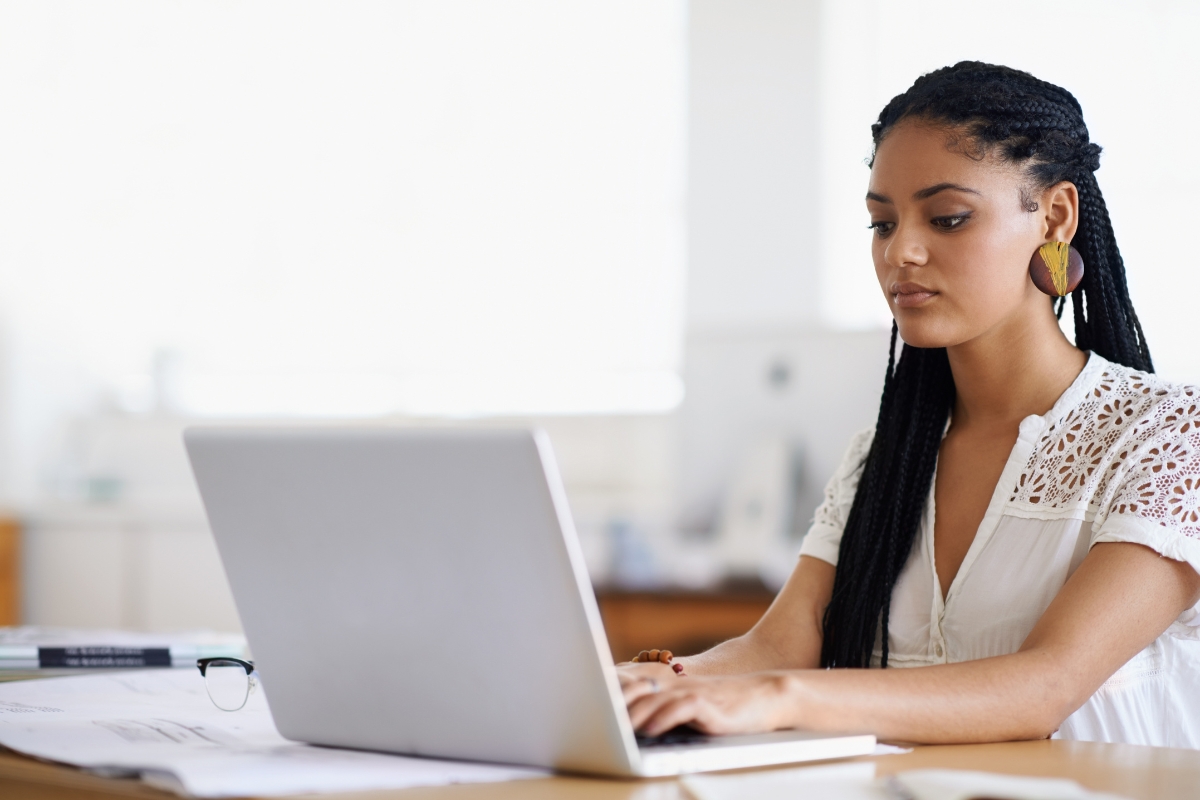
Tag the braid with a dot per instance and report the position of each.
(916, 404)
(1039, 126)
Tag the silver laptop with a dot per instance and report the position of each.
(423, 592)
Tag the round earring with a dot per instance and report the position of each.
(1056, 268)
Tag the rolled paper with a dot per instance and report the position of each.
(1056, 268)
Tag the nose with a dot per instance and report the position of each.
(905, 248)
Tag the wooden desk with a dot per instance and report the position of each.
(1144, 773)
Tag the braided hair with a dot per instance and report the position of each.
(1039, 127)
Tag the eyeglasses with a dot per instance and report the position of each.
(229, 681)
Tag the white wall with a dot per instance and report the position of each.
(306, 208)
(785, 328)
(135, 552)
(755, 284)
(1132, 67)
(752, 165)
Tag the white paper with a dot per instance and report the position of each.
(160, 725)
(953, 784)
(854, 781)
(19, 645)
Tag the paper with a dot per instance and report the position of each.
(20, 647)
(160, 725)
(953, 784)
(854, 781)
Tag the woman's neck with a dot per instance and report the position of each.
(1020, 367)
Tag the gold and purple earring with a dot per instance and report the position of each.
(1056, 268)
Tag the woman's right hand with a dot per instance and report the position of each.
(630, 672)
(639, 679)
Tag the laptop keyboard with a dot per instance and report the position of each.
(681, 734)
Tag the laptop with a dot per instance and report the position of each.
(423, 592)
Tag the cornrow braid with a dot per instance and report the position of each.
(1040, 127)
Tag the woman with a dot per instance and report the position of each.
(1023, 522)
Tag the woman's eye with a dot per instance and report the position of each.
(950, 223)
(882, 228)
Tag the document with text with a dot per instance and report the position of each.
(160, 726)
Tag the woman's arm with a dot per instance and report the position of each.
(787, 637)
(1122, 597)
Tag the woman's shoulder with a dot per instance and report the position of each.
(857, 449)
(829, 520)
(843, 484)
(1119, 377)
(1132, 407)
(1128, 443)
(1121, 408)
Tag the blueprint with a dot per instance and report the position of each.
(159, 725)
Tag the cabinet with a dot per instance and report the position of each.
(682, 621)
(122, 567)
(10, 572)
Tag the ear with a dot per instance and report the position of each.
(1060, 212)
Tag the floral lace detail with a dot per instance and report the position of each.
(1131, 446)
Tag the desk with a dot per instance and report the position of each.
(1144, 773)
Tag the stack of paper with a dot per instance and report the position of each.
(36, 648)
(160, 725)
(856, 781)
(955, 784)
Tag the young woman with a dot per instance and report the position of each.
(1022, 525)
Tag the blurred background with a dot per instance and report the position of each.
(626, 222)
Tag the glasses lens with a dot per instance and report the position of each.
(228, 684)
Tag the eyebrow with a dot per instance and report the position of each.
(924, 194)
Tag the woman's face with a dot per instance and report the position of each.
(951, 238)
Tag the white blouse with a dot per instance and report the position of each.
(1117, 459)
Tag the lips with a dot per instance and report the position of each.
(910, 295)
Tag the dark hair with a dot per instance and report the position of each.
(1040, 127)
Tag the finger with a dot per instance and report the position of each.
(633, 692)
(628, 678)
(644, 705)
(641, 688)
(655, 668)
(680, 709)
(637, 672)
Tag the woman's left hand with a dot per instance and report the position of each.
(753, 703)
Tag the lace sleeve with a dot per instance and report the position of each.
(1155, 500)
(825, 536)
